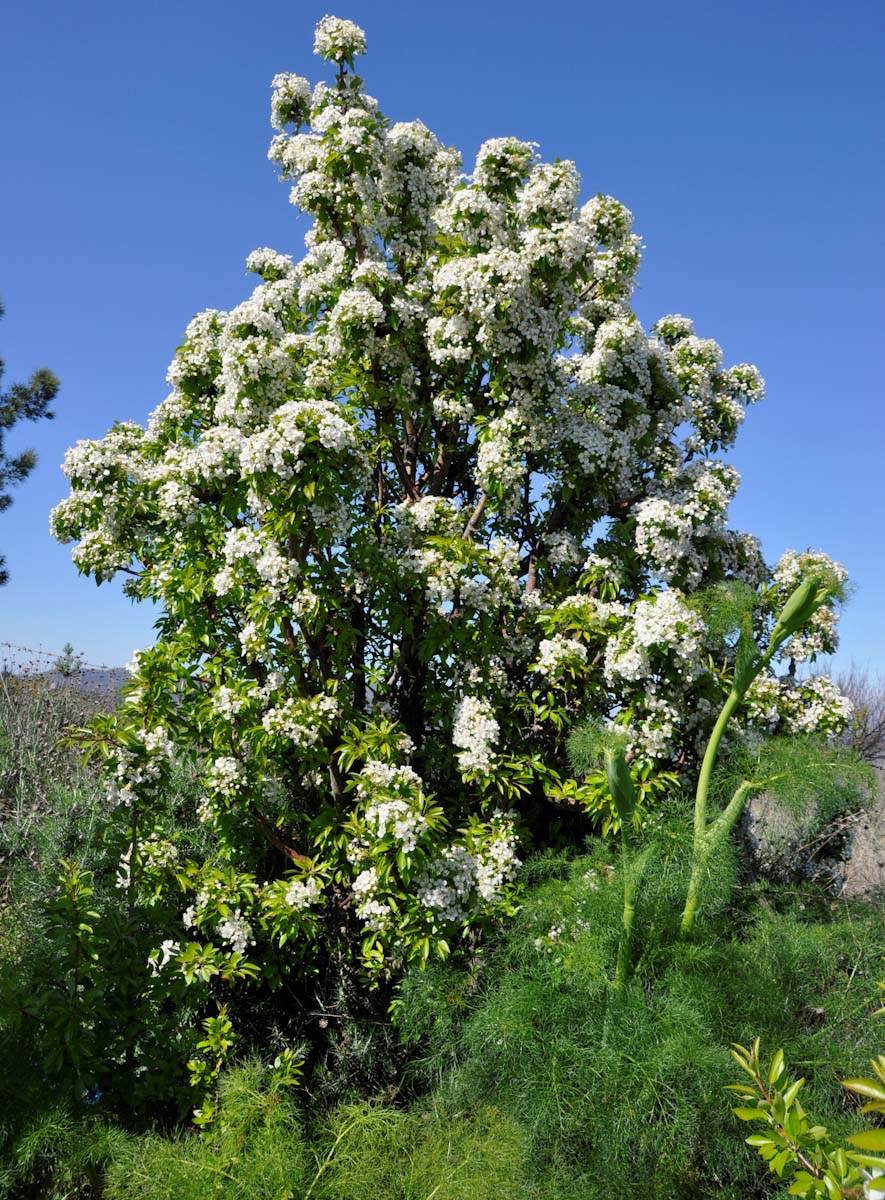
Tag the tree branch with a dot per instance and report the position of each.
(273, 836)
(472, 525)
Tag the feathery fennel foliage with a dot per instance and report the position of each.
(259, 1149)
(618, 1086)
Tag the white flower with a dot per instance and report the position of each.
(395, 803)
(290, 103)
(475, 733)
(236, 931)
(451, 880)
(337, 39)
(662, 628)
(819, 635)
(304, 892)
(225, 776)
(558, 653)
(303, 721)
(251, 640)
(162, 957)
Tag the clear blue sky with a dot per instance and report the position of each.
(747, 140)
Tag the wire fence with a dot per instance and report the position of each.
(64, 668)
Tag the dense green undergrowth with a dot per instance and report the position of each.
(614, 1087)
(514, 1070)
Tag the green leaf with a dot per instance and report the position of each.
(778, 1163)
(801, 1184)
(869, 1139)
(742, 1062)
(865, 1087)
(750, 1114)
(833, 1189)
(867, 1160)
(776, 1067)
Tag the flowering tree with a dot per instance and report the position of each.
(424, 499)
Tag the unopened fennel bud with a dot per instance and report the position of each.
(620, 783)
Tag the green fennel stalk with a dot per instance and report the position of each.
(709, 836)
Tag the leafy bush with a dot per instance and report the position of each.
(427, 1151)
(798, 1150)
(258, 1148)
(611, 1086)
(255, 1150)
(528, 1073)
(35, 762)
(55, 1154)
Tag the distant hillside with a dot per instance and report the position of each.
(92, 680)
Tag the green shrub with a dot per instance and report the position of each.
(622, 1090)
(382, 1152)
(257, 1150)
(55, 1155)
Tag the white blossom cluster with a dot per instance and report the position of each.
(236, 931)
(301, 893)
(671, 527)
(302, 721)
(564, 549)
(246, 548)
(213, 897)
(394, 803)
(817, 705)
(474, 733)
(138, 769)
(763, 703)
(378, 776)
(789, 706)
(447, 884)
(227, 702)
(657, 722)
(339, 39)
(496, 860)
(374, 913)
(661, 625)
(290, 105)
(558, 653)
(820, 635)
(452, 881)
(435, 515)
(399, 819)
(226, 776)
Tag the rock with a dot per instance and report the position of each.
(864, 873)
(846, 852)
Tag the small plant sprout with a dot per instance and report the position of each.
(804, 1154)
